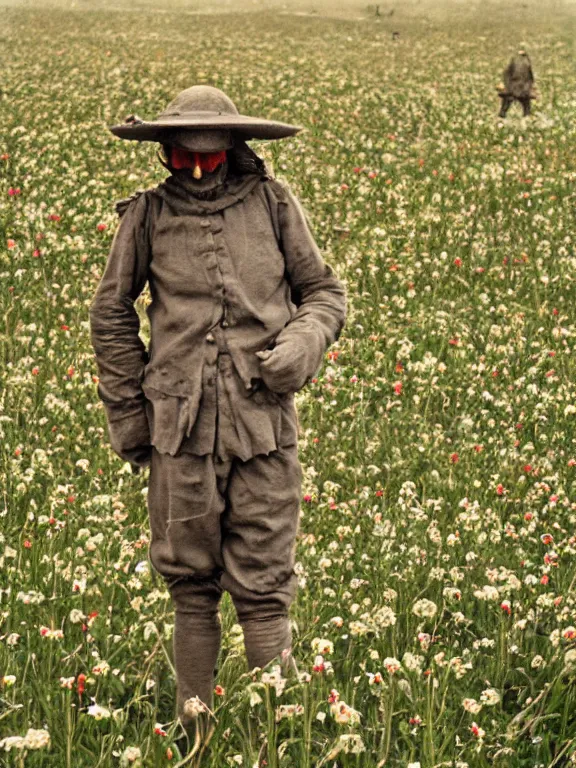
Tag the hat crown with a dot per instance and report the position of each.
(200, 98)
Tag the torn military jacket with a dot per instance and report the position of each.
(244, 263)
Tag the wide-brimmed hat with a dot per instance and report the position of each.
(201, 107)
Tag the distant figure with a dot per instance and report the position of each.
(395, 35)
(518, 84)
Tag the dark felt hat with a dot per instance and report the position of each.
(201, 107)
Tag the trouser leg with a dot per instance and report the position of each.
(258, 546)
(197, 638)
(185, 503)
(505, 106)
(526, 107)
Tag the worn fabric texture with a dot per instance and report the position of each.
(246, 262)
(518, 77)
(225, 525)
(243, 308)
(235, 519)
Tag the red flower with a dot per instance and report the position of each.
(334, 696)
(36, 253)
(11, 243)
(219, 691)
(27, 543)
(454, 458)
(13, 192)
(80, 683)
(500, 490)
(101, 227)
(458, 261)
(54, 217)
(397, 387)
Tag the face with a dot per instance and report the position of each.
(200, 163)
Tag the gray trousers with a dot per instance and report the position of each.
(507, 102)
(225, 525)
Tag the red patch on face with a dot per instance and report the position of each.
(208, 161)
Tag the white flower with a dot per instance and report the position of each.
(349, 743)
(36, 739)
(12, 742)
(384, 617)
(76, 616)
(344, 714)
(490, 697)
(194, 706)
(471, 705)
(424, 608)
(101, 668)
(275, 679)
(487, 593)
(320, 645)
(570, 658)
(131, 756)
(392, 665)
(255, 698)
(98, 712)
(8, 680)
(412, 663)
(288, 711)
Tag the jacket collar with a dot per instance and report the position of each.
(235, 188)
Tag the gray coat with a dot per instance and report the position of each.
(245, 262)
(518, 77)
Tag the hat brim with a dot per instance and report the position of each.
(248, 127)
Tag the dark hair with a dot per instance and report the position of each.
(241, 159)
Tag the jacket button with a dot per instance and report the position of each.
(204, 223)
(224, 323)
(210, 338)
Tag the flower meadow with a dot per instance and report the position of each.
(436, 619)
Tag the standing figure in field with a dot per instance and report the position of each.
(243, 309)
(518, 84)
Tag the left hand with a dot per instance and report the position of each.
(283, 368)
